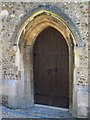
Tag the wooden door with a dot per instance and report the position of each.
(51, 69)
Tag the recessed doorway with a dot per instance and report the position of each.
(51, 69)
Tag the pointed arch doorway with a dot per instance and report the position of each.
(28, 37)
(51, 69)
(61, 44)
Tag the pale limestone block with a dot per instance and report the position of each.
(4, 13)
(82, 101)
(12, 94)
(77, 59)
(12, 88)
(82, 112)
(17, 58)
(3, 87)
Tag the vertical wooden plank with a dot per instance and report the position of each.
(51, 69)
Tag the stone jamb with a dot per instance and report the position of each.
(25, 46)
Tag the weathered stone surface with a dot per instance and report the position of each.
(12, 14)
(8, 92)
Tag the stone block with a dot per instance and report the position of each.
(82, 112)
(9, 88)
(82, 102)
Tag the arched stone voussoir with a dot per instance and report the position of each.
(44, 13)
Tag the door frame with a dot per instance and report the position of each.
(26, 37)
(39, 82)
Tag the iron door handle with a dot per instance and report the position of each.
(49, 70)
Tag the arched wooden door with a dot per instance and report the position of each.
(51, 69)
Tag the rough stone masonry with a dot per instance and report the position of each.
(12, 14)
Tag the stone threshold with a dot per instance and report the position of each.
(52, 107)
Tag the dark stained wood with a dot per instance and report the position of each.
(51, 69)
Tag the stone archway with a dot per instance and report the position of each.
(27, 35)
